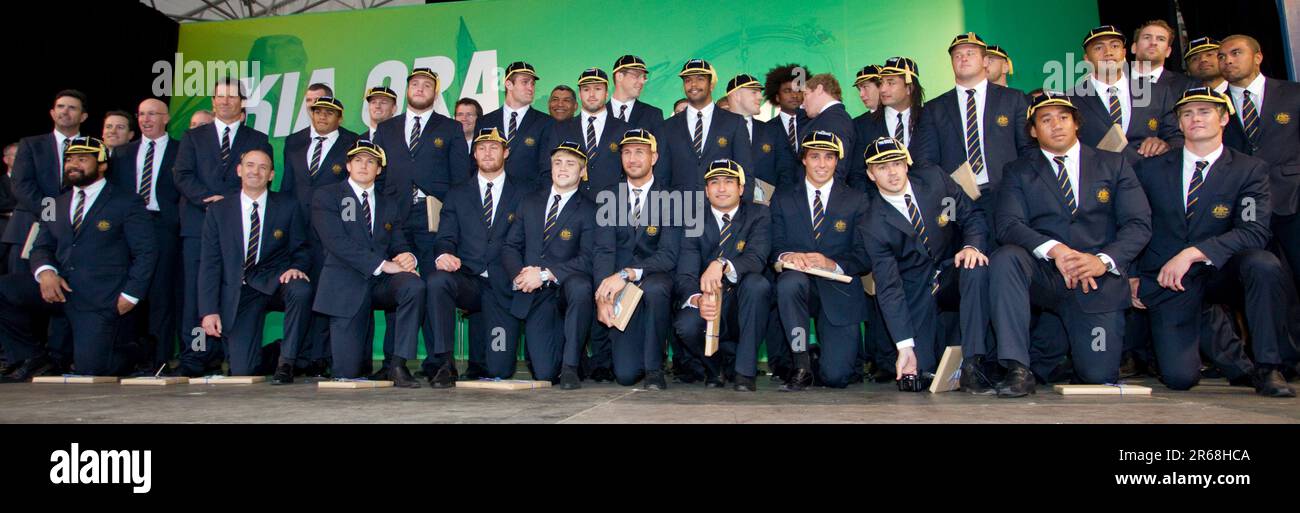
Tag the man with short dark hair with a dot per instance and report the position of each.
(630, 75)
(118, 130)
(1152, 44)
(527, 129)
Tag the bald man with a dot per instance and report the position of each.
(145, 166)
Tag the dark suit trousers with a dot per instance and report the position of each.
(243, 339)
(350, 345)
(640, 348)
(557, 325)
(160, 311)
(1018, 280)
(745, 308)
(97, 345)
(839, 344)
(1176, 317)
(489, 322)
(190, 323)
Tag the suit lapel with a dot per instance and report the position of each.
(95, 208)
(1047, 172)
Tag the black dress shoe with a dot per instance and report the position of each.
(744, 384)
(714, 382)
(602, 375)
(1019, 382)
(30, 369)
(654, 380)
(283, 374)
(882, 375)
(9, 367)
(1130, 367)
(444, 378)
(1270, 383)
(569, 379)
(401, 377)
(381, 374)
(801, 379)
(973, 380)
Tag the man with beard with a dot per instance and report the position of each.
(596, 130)
(93, 261)
(527, 129)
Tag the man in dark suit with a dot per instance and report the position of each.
(313, 158)
(1152, 45)
(527, 129)
(630, 74)
(468, 273)
(926, 241)
(1210, 227)
(867, 82)
(1267, 126)
(204, 174)
(93, 261)
(255, 258)
(1202, 63)
(783, 88)
(637, 244)
(826, 113)
(700, 134)
(728, 261)
(815, 226)
(547, 254)
(596, 130)
(368, 263)
(37, 172)
(145, 166)
(770, 156)
(427, 160)
(976, 122)
(1070, 220)
(899, 116)
(1111, 96)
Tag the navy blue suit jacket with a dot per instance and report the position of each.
(282, 246)
(122, 173)
(114, 252)
(681, 168)
(200, 174)
(605, 163)
(900, 260)
(352, 251)
(296, 179)
(1113, 215)
(1218, 227)
(942, 137)
(834, 119)
(748, 249)
(567, 254)
(841, 241)
(1152, 116)
(642, 115)
(437, 164)
(1279, 135)
(461, 232)
(529, 164)
(37, 174)
(773, 159)
(652, 248)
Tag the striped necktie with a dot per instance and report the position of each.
(1063, 180)
(724, 234)
(898, 128)
(487, 207)
(146, 174)
(414, 140)
(365, 212)
(974, 154)
(818, 215)
(1250, 118)
(1116, 114)
(792, 136)
(80, 212)
(1194, 186)
(551, 214)
(697, 140)
(254, 239)
(514, 123)
(591, 136)
(225, 148)
(622, 112)
(315, 157)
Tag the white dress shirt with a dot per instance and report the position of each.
(246, 210)
(160, 146)
(328, 143)
(1125, 101)
(1189, 167)
(891, 121)
(1256, 88)
(505, 119)
(221, 129)
(785, 123)
(92, 192)
(691, 114)
(59, 139)
(550, 199)
(645, 201)
(981, 91)
(370, 200)
(618, 107)
(1071, 170)
(600, 117)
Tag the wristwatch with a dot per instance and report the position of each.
(546, 277)
(724, 263)
(624, 275)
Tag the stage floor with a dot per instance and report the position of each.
(1213, 402)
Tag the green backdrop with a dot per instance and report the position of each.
(467, 42)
